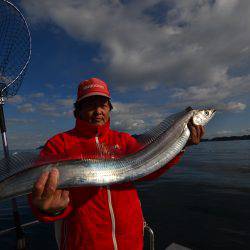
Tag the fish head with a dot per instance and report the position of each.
(203, 116)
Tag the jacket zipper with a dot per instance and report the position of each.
(111, 210)
(112, 218)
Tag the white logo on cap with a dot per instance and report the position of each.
(93, 86)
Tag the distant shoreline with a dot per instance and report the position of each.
(222, 138)
(228, 138)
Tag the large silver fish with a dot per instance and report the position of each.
(161, 145)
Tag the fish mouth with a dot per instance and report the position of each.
(213, 113)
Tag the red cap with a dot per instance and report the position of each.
(90, 87)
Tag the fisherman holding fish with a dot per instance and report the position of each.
(94, 217)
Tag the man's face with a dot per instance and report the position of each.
(95, 110)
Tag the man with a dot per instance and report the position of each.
(93, 217)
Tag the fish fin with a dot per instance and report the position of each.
(151, 135)
(17, 162)
(189, 108)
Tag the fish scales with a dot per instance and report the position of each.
(160, 145)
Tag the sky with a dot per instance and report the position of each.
(158, 57)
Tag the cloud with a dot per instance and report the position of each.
(199, 94)
(150, 86)
(182, 43)
(58, 108)
(68, 113)
(48, 109)
(222, 133)
(19, 121)
(22, 141)
(229, 132)
(67, 102)
(37, 95)
(26, 108)
(245, 131)
(17, 99)
(233, 106)
(136, 117)
(49, 86)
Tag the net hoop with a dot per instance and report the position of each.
(29, 53)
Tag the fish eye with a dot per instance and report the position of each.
(206, 112)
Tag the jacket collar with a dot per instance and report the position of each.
(89, 130)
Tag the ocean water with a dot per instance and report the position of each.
(201, 203)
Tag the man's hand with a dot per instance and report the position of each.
(196, 133)
(46, 197)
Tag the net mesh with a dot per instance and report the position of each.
(14, 48)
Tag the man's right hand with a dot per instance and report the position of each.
(46, 197)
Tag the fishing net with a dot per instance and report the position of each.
(15, 48)
(15, 51)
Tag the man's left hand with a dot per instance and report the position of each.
(196, 133)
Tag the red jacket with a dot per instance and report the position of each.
(98, 217)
